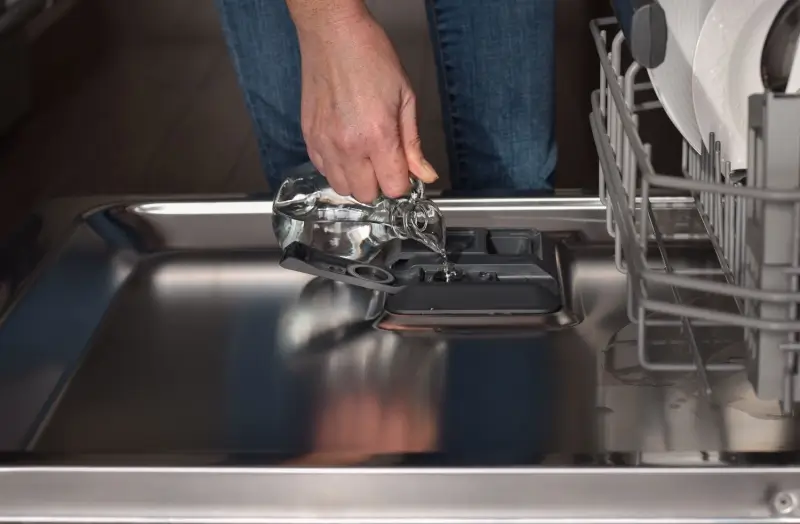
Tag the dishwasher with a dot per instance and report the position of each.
(157, 364)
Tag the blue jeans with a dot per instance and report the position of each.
(496, 77)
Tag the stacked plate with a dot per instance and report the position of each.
(712, 66)
(673, 79)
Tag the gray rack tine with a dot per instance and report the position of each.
(625, 164)
(758, 274)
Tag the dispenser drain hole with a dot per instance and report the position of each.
(371, 273)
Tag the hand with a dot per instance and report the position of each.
(355, 428)
(359, 111)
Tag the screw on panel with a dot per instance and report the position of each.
(784, 503)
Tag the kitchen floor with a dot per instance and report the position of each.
(140, 97)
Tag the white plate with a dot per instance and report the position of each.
(727, 70)
(672, 80)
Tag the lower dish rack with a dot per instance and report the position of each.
(752, 220)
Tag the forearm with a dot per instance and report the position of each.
(311, 16)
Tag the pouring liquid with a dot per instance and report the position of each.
(418, 219)
(309, 211)
(449, 271)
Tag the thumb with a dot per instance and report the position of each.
(412, 145)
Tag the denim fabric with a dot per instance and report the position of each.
(496, 79)
(266, 55)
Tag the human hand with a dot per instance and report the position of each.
(356, 428)
(359, 111)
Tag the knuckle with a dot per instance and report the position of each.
(384, 134)
(349, 141)
(415, 142)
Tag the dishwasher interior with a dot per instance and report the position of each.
(156, 354)
(176, 331)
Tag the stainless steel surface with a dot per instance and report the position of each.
(153, 352)
(382, 495)
(163, 323)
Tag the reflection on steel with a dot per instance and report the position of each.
(379, 392)
(198, 354)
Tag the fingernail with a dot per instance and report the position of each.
(430, 172)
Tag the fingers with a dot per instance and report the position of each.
(362, 180)
(373, 155)
(316, 159)
(389, 163)
(331, 170)
(349, 163)
(337, 178)
(355, 427)
(409, 134)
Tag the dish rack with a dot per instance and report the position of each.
(751, 220)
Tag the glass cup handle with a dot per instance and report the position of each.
(417, 188)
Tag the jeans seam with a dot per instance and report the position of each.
(448, 119)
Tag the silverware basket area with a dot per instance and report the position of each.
(752, 221)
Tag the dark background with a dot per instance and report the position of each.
(138, 96)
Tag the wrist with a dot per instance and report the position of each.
(314, 18)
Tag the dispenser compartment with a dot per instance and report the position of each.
(498, 271)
